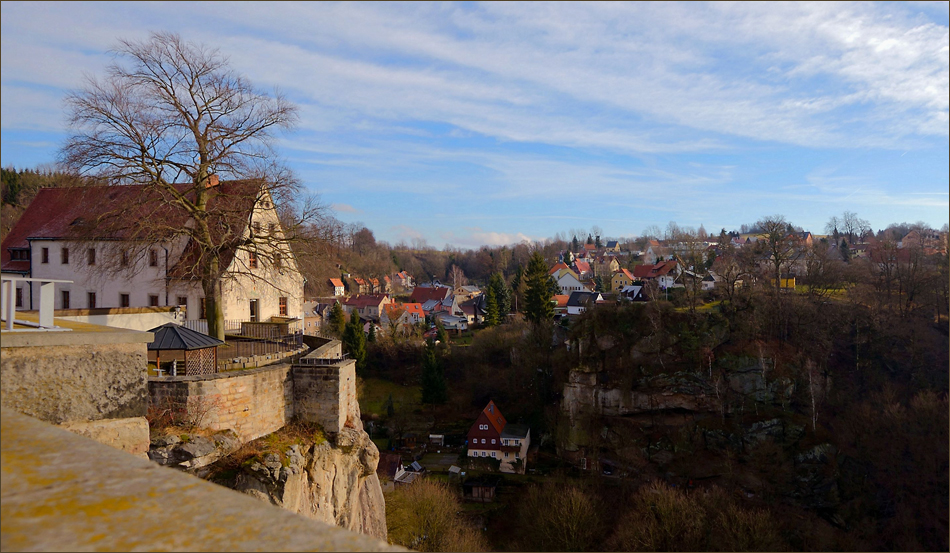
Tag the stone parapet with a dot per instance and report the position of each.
(63, 492)
(253, 402)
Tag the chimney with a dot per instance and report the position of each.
(212, 180)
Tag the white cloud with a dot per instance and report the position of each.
(344, 208)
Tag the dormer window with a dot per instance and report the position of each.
(257, 227)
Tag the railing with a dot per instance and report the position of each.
(201, 325)
(319, 361)
(47, 304)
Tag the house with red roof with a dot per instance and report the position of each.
(404, 313)
(583, 270)
(337, 285)
(403, 280)
(104, 240)
(494, 437)
(664, 273)
(622, 278)
(422, 294)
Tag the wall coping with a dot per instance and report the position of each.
(219, 376)
(62, 492)
(82, 334)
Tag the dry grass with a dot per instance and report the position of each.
(296, 432)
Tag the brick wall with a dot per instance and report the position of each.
(253, 403)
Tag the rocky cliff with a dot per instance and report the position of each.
(336, 484)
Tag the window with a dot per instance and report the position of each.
(183, 301)
(64, 295)
(271, 227)
(64, 256)
(517, 455)
(252, 260)
(91, 300)
(483, 454)
(153, 258)
(504, 442)
(283, 307)
(123, 300)
(201, 308)
(153, 300)
(125, 258)
(257, 227)
(277, 261)
(493, 441)
(492, 453)
(506, 455)
(19, 297)
(91, 256)
(45, 255)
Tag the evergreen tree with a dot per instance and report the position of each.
(502, 295)
(845, 252)
(434, 390)
(599, 284)
(354, 341)
(492, 314)
(518, 286)
(537, 301)
(372, 334)
(590, 239)
(337, 320)
(597, 243)
(575, 245)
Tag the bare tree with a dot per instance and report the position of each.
(780, 246)
(174, 119)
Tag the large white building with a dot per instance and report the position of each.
(60, 237)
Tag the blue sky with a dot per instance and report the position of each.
(470, 124)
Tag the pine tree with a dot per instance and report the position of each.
(537, 299)
(354, 341)
(372, 334)
(491, 307)
(575, 245)
(502, 296)
(337, 320)
(434, 390)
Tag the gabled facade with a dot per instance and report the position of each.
(337, 286)
(493, 437)
(368, 306)
(621, 278)
(664, 273)
(568, 283)
(579, 302)
(58, 237)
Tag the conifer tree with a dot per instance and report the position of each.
(537, 299)
(354, 341)
(337, 320)
(434, 390)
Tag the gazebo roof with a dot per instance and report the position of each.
(171, 336)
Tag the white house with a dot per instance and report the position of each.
(569, 283)
(60, 236)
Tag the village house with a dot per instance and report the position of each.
(612, 246)
(621, 278)
(337, 285)
(368, 306)
(493, 437)
(60, 236)
(403, 280)
(579, 302)
(422, 294)
(664, 273)
(605, 266)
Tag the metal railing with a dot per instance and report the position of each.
(8, 305)
(320, 361)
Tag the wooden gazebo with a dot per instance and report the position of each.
(197, 351)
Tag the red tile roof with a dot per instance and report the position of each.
(422, 294)
(557, 267)
(360, 301)
(128, 212)
(495, 417)
(336, 283)
(582, 266)
(653, 271)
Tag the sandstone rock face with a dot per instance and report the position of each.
(336, 484)
(195, 453)
(129, 435)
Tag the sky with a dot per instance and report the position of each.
(487, 124)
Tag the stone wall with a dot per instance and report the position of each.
(253, 402)
(326, 394)
(91, 380)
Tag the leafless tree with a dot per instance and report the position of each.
(174, 118)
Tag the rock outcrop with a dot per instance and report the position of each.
(336, 484)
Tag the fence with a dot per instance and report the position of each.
(201, 325)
